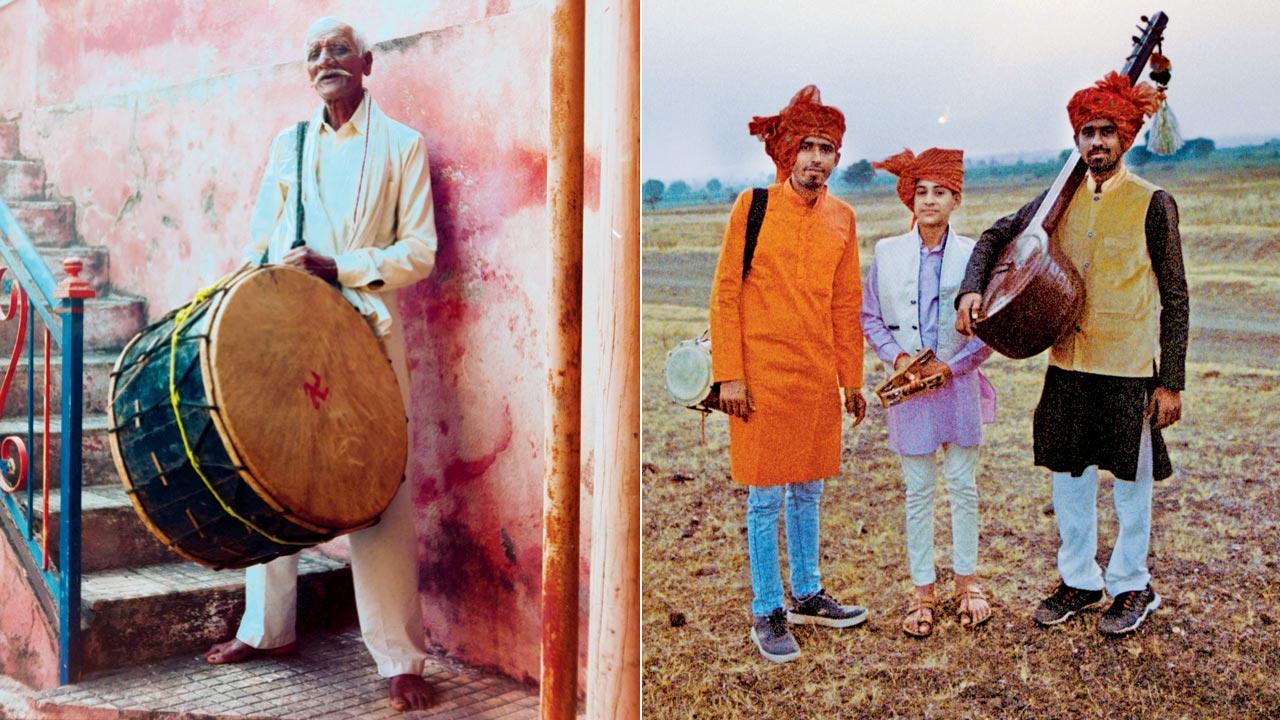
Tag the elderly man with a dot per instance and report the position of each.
(908, 304)
(784, 325)
(369, 228)
(1114, 383)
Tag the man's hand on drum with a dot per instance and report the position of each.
(968, 312)
(304, 258)
(855, 405)
(735, 399)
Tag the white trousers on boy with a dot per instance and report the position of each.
(959, 465)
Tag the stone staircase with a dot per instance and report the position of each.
(140, 602)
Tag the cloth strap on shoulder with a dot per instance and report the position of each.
(755, 219)
(302, 135)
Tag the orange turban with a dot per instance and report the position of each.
(1118, 100)
(805, 116)
(944, 167)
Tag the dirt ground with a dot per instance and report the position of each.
(1211, 651)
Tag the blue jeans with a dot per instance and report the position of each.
(763, 505)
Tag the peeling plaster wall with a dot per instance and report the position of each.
(155, 117)
(28, 645)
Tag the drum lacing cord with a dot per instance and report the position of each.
(178, 321)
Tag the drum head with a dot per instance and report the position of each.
(307, 398)
(688, 373)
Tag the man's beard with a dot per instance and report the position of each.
(814, 184)
(1102, 164)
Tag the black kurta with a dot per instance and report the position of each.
(1088, 419)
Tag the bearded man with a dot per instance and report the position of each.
(1115, 381)
(786, 342)
(369, 228)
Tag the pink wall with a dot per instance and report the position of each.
(155, 117)
(28, 644)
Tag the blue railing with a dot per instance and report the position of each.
(33, 294)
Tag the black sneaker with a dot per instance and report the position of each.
(1128, 611)
(771, 635)
(822, 609)
(1065, 602)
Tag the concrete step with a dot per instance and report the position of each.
(21, 180)
(49, 223)
(331, 677)
(141, 615)
(112, 535)
(97, 468)
(110, 321)
(97, 376)
(8, 140)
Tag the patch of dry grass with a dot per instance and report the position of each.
(1212, 650)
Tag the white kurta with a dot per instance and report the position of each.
(371, 210)
(391, 241)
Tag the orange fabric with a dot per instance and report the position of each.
(944, 167)
(792, 330)
(803, 117)
(1117, 100)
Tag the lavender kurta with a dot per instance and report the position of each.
(953, 413)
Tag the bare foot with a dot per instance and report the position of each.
(410, 692)
(234, 651)
(972, 605)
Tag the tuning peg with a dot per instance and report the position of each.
(1135, 39)
(1144, 19)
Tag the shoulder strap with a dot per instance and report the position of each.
(755, 218)
(302, 135)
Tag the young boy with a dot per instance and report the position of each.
(909, 304)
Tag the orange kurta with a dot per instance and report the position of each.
(792, 330)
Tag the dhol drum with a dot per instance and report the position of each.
(688, 375)
(260, 419)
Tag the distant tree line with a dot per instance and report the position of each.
(859, 174)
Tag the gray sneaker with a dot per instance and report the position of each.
(1128, 611)
(822, 609)
(1063, 603)
(771, 635)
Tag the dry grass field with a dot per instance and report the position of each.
(1211, 651)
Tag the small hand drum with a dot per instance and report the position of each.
(688, 375)
(911, 381)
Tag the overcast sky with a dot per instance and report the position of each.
(1000, 72)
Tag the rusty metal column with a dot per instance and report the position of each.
(613, 646)
(562, 444)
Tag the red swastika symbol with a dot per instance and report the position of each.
(315, 391)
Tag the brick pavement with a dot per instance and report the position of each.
(332, 677)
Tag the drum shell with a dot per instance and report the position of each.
(1033, 298)
(161, 481)
(284, 446)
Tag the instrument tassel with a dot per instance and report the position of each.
(1164, 137)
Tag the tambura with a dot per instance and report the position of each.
(688, 375)
(260, 419)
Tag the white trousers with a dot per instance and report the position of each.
(384, 567)
(959, 466)
(1075, 505)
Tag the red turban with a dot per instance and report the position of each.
(1118, 100)
(804, 117)
(944, 167)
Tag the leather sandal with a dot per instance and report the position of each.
(964, 597)
(914, 624)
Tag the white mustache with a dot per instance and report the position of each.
(339, 72)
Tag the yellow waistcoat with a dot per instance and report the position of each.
(1105, 237)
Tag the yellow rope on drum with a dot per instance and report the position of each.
(178, 321)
